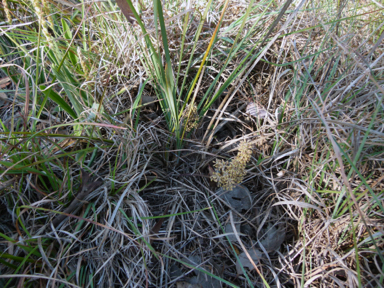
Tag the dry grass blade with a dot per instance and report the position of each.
(69, 284)
(245, 249)
(232, 92)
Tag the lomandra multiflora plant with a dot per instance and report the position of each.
(42, 22)
(7, 11)
(190, 117)
(228, 174)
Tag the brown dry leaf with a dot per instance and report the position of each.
(123, 5)
(156, 228)
(211, 172)
(4, 82)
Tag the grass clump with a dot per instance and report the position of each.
(109, 123)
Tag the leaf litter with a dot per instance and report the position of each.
(244, 261)
(239, 198)
(273, 239)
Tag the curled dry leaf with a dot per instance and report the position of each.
(256, 110)
(239, 198)
(123, 5)
(245, 262)
(281, 173)
(4, 82)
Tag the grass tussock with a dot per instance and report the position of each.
(116, 136)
